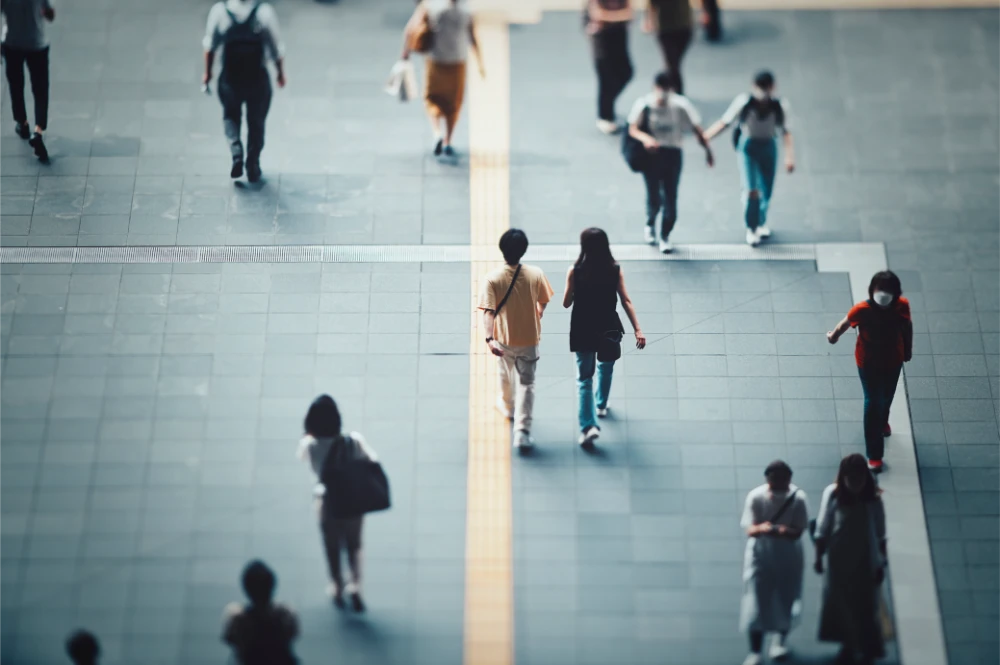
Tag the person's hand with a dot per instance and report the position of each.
(49, 13)
(640, 340)
(495, 348)
(790, 165)
(709, 158)
(818, 566)
(593, 27)
(482, 71)
(206, 78)
(281, 78)
(831, 337)
(879, 575)
(650, 143)
(780, 530)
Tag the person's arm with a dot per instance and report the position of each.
(646, 139)
(209, 60)
(474, 45)
(210, 42)
(545, 293)
(276, 48)
(418, 15)
(489, 319)
(907, 332)
(839, 330)
(789, 152)
(700, 135)
(633, 318)
(727, 118)
(568, 292)
(48, 11)
(363, 446)
(649, 19)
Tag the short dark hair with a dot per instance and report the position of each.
(82, 647)
(513, 245)
(780, 467)
(664, 81)
(259, 582)
(764, 79)
(323, 418)
(885, 280)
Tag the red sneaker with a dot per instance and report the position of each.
(875, 465)
(887, 431)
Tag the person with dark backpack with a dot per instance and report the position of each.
(885, 342)
(262, 632)
(248, 34)
(759, 117)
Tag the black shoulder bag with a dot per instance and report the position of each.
(634, 152)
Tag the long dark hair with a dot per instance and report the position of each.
(595, 260)
(855, 464)
(323, 418)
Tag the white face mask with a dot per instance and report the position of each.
(882, 298)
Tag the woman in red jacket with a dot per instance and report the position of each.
(885, 342)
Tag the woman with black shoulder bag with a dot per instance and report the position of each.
(594, 284)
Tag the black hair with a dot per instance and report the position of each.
(764, 79)
(885, 280)
(323, 418)
(664, 81)
(595, 260)
(778, 466)
(513, 245)
(855, 464)
(259, 583)
(82, 647)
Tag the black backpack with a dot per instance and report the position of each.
(763, 109)
(265, 641)
(634, 152)
(243, 54)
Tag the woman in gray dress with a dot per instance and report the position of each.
(850, 532)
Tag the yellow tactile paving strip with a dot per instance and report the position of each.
(489, 588)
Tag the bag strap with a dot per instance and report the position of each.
(517, 271)
(784, 507)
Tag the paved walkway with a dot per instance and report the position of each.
(134, 486)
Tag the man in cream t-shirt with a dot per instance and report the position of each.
(659, 121)
(513, 333)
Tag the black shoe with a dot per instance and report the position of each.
(36, 142)
(357, 604)
(253, 171)
(237, 170)
(438, 146)
(449, 151)
(23, 130)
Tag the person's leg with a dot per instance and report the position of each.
(331, 546)
(870, 386)
(767, 160)
(525, 362)
(712, 20)
(756, 641)
(604, 374)
(505, 376)
(15, 83)
(750, 177)
(651, 176)
(258, 103)
(891, 382)
(673, 161)
(352, 533)
(605, 87)
(623, 61)
(451, 118)
(675, 45)
(38, 69)
(585, 366)
(232, 116)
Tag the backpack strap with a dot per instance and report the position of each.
(784, 507)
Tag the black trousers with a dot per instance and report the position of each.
(38, 70)
(662, 178)
(255, 94)
(674, 45)
(614, 68)
(879, 387)
(713, 25)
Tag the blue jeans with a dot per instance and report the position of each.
(586, 363)
(758, 159)
(879, 387)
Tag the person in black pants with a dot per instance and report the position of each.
(26, 44)
(607, 24)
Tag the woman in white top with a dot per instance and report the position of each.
(760, 117)
(659, 121)
(454, 33)
(324, 438)
(850, 532)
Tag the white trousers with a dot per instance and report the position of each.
(516, 371)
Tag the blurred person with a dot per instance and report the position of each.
(659, 121)
(672, 21)
(324, 438)
(885, 342)
(513, 300)
(607, 25)
(262, 632)
(248, 33)
(454, 33)
(774, 517)
(83, 648)
(759, 118)
(850, 533)
(26, 44)
(594, 284)
(711, 20)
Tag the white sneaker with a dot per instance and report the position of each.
(752, 659)
(523, 441)
(666, 247)
(753, 241)
(778, 651)
(648, 235)
(603, 413)
(763, 231)
(588, 437)
(608, 127)
(502, 408)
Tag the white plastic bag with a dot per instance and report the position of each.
(402, 82)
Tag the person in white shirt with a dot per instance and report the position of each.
(659, 121)
(774, 518)
(760, 117)
(248, 33)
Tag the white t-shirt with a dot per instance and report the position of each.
(450, 23)
(667, 122)
(762, 505)
(754, 126)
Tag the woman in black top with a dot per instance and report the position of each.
(607, 24)
(593, 286)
